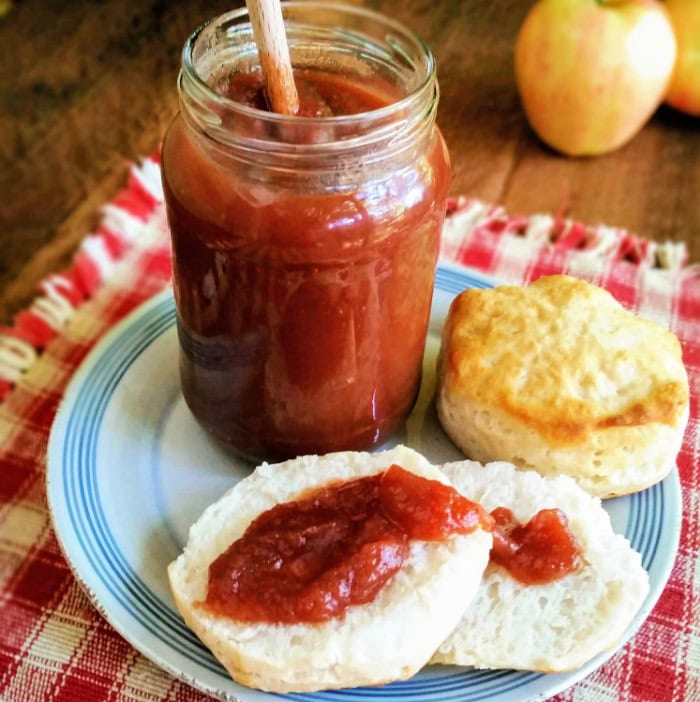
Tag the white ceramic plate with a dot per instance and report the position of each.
(129, 470)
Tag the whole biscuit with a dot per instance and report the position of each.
(558, 377)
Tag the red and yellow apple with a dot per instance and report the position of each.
(684, 91)
(590, 73)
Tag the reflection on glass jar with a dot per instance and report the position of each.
(304, 247)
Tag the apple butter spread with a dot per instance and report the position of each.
(538, 552)
(308, 560)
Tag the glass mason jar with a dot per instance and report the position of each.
(304, 247)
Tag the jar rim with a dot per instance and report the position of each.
(213, 97)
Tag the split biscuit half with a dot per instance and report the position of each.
(390, 638)
(558, 626)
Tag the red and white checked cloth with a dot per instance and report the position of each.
(55, 646)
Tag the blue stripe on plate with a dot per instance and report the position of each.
(124, 584)
(453, 281)
(92, 529)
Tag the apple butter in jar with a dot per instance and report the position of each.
(304, 246)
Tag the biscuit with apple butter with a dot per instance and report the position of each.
(331, 571)
(548, 626)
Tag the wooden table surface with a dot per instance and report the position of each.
(87, 87)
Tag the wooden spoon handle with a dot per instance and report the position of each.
(268, 30)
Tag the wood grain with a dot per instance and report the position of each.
(87, 87)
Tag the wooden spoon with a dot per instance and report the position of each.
(268, 30)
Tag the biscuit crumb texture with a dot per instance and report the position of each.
(389, 639)
(559, 378)
(561, 625)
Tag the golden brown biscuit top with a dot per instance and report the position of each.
(564, 357)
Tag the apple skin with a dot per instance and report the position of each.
(684, 91)
(590, 73)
